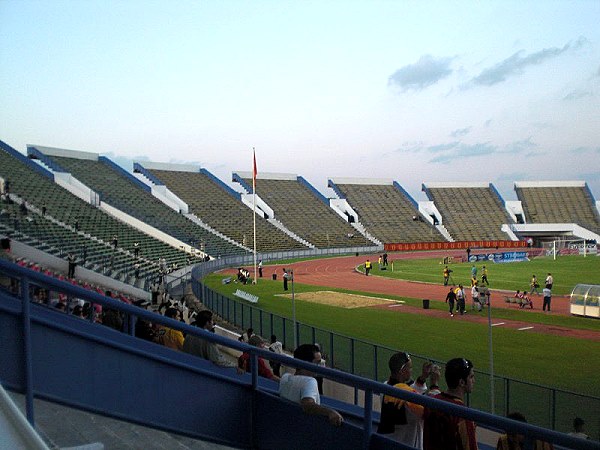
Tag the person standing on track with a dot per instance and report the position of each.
(534, 285)
(367, 267)
(484, 278)
(450, 299)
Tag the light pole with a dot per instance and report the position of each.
(291, 274)
(491, 351)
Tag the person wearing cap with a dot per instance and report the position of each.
(263, 368)
(301, 387)
(402, 420)
(441, 430)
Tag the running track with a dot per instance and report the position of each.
(341, 273)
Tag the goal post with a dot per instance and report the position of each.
(559, 247)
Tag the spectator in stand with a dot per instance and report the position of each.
(195, 345)
(513, 441)
(323, 363)
(143, 328)
(302, 388)
(72, 264)
(442, 431)
(263, 368)
(578, 431)
(246, 335)
(170, 337)
(78, 311)
(111, 317)
(276, 347)
(401, 419)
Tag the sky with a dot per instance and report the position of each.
(414, 91)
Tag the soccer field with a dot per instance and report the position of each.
(531, 357)
(566, 270)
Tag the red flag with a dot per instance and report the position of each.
(254, 171)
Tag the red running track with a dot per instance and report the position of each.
(341, 273)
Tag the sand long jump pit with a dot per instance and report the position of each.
(340, 299)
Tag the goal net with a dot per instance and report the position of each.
(570, 247)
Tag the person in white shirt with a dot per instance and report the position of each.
(302, 388)
(276, 347)
(549, 281)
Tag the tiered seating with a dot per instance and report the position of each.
(39, 191)
(470, 213)
(126, 195)
(297, 207)
(560, 203)
(387, 213)
(217, 208)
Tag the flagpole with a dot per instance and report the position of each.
(254, 173)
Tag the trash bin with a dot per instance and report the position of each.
(274, 276)
(425, 303)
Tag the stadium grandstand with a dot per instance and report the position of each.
(303, 210)
(123, 191)
(219, 206)
(470, 211)
(53, 219)
(386, 210)
(558, 202)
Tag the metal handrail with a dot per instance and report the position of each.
(370, 387)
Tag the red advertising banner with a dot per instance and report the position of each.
(422, 246)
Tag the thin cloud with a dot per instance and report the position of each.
(576, 95)
(458, 150)
(518, 62)
(526, 145)
(443, 147)
(583, 150)
(424, 73)
(412, 147)
(535, 154)
(461, 132)
(464, 151)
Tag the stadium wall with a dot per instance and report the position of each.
(416, 246)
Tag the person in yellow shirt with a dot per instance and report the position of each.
(170, 337)
(512, 441)
(402, 420)
(484, 276)
(368, 267)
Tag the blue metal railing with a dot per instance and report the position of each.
(26, 278)
(545, 406)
